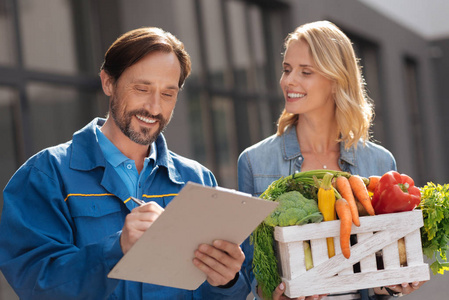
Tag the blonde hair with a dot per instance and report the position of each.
(334, 57)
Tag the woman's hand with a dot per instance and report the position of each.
(404, 288)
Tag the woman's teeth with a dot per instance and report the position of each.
(295, 95)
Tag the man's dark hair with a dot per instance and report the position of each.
(135, 44)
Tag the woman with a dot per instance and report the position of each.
(325, 123)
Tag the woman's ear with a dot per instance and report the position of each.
(107, 83)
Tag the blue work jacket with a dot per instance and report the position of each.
(279, 156)
(63, 213)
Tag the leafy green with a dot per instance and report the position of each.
(265, 264)
(435, 232)
(294, 209)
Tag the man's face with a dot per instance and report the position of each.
(144, 97)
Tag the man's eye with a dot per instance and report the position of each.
(286, 71)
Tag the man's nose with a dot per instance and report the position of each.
(153, 103)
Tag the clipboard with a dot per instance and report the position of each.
(197, 215)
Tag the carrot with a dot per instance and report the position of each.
(344, 214)
(344, 188)
(373, 181)
(361, 193)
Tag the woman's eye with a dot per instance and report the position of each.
(307, 73)
(286, 71)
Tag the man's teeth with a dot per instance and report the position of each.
(295, 95)
(146, 120)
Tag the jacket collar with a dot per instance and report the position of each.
(291, 149)
(87, 154)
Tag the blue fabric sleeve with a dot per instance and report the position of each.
(239, 291)
(245, 175)
(38, 255)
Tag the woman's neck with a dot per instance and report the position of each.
(316, 135)
(318, 143)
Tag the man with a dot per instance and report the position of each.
(67, 219)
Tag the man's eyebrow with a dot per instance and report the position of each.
(146, 82)
(173, 87)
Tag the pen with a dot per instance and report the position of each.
(138, 201)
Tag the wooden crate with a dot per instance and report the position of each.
(336, 274)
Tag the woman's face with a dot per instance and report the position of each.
(305, 89)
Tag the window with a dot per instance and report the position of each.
(234, 98)
(7, 46)
(411, 71)
(368, 53)
(46, 46)
(8, 159)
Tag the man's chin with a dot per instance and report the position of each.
(144, 139)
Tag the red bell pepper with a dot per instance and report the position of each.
(395, 193)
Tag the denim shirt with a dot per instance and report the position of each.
(279, 156)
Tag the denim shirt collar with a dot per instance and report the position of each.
(291, 149)
(290, 145)
(347, 155)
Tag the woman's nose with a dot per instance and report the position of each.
(293, 79)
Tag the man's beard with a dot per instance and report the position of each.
(123, 120)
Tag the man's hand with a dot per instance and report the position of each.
(220, 261)
(137, 222)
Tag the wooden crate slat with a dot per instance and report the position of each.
(332, 228)
(368, 263)
(391, 256)
(337, 284)
(319, 251)
(413, 257)
(290, 267)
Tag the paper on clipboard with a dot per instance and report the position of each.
(197, 215)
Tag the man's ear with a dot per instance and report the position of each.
(107, 83)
